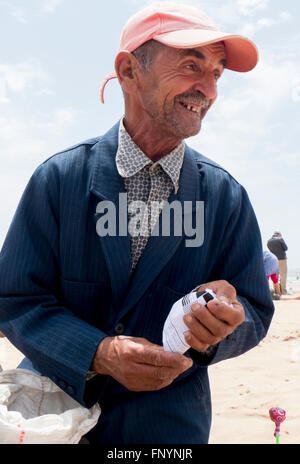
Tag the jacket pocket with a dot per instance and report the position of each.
(152, 312)
(88, 300)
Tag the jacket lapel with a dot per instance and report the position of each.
(160, 249)
(106, 185)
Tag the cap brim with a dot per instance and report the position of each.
(242, 54)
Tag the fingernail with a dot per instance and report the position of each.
(195, 306)
(187, 336)
(188, 318)
(224, 299)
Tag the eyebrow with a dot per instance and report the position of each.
(199, 55)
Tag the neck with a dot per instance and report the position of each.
(148, 136)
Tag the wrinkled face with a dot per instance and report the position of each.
(180, 87)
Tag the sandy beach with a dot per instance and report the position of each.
(245, 388)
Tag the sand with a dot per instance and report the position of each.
(245, 388)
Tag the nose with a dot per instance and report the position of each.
(207, 85)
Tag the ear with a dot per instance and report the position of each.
(125, 66)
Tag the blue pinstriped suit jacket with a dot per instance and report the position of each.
(63, 288)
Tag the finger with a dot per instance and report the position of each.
(201, 332)
(141, 377)
(195, 343)
(233, 316)
(153, 373)
(163, 358)
(217, 327)
(150, 386)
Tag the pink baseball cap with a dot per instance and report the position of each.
(183, 26)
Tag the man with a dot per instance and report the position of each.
(85, 301)
(278, 247)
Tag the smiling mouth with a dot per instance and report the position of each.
(195, 109)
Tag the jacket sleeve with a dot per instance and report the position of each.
(284, 245)
(241, 264)
(32, 315)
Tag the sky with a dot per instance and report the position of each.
(54, 55)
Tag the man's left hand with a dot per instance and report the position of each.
(210, 325)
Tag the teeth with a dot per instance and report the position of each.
(196, 109)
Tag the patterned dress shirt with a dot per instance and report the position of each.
(148, 185)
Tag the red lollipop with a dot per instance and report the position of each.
(277, 415)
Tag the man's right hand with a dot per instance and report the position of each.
(138, 364)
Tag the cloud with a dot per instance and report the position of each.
(17, 12)
(29, 139)
(50, 6)
(270, 84)
(16, 77)
(19, 126)
(21, 15)
(250, 29)
(58, 122)
(249, 7)
(296, 89)
(231, 14)
(143, 3)
(25, 142)
(45, 91)
(3, 92)
(289, 159)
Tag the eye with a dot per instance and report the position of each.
(191, 67)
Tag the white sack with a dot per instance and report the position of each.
(33, 410)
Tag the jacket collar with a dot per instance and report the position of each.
(130, 159)
(106, 182)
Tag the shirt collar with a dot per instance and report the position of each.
(130, 159)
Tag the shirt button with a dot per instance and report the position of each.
(154, 169)
(120, 328)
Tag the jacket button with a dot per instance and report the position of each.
(71, 390)
(62, 384)
(120, 329)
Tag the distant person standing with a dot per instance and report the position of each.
(278, 247)
(272, 271)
